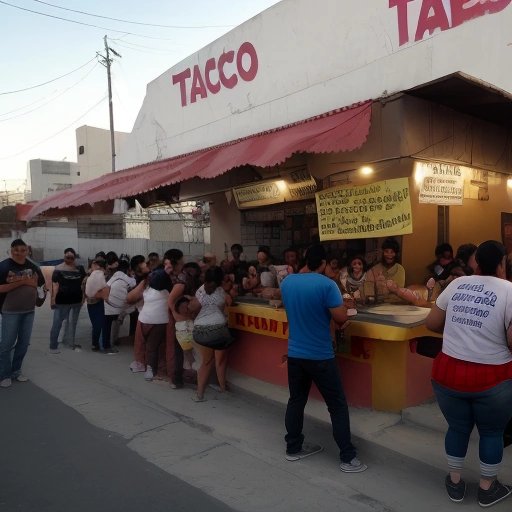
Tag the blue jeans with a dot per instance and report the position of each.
(16, 331)
(489, 410)
(325, 374)
(69, 312)
(97, 316)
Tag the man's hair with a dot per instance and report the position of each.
(124, 266)
(100, 262)
(194, 265)
(18, 242)
(173, 255)
(314, 256)
(111, 257)
(153, 254)
(71, 250)
(136, 261)
(214, 275)
(237, 246)
(489, 255)
(391, 243)
(442, 248)
(465, 251)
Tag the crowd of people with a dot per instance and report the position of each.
(178, 323)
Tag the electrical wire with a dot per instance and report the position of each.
(143, 49)
(52, 99)
(85, 24)
(49, 81)
(57, 133)
(134, 22)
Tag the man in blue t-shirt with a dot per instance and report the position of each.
(311, 300)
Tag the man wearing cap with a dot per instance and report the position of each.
(311, 300)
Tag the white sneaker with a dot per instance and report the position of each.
(354, 466)
(148, 375)
(5, 383)
(54, 351)
(21, 378)
(136, 366)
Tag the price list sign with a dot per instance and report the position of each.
(365, 211)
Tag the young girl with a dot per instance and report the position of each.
(184, 333)
(353, 276)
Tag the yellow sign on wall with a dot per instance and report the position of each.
(365, 211)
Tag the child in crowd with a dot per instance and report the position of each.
(184, 329)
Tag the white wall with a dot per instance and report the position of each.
(314, 57)
(57, 176)
(96, 159)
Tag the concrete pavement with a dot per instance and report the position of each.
(232, 446)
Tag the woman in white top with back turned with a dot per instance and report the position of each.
(472, 376)
(211, 332)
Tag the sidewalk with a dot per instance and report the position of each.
(232, 445)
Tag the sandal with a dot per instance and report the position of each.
(197, 398)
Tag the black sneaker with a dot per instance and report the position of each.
(456, 492)
(111, 351)
(307, 450)
(494, 494)
(94, 348)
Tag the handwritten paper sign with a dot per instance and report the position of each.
(366, 211)
(440, 183)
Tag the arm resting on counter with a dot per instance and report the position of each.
(435, 319)
(339, 314)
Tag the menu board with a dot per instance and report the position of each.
(366, 211)
(440, 183)
(295, 186)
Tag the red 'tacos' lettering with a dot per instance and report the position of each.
(430, 23)
(403, 25)
(461, 12)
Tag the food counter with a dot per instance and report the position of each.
(379, 365)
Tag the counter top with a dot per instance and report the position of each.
(269, 321)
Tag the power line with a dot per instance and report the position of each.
(145, 49)
(55, 134)
(49, 101)
(86, 24)
(49, 81)
(133, 22)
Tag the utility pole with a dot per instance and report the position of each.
(107, 61)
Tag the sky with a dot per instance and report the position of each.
(39, 121)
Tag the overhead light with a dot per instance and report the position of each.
(509, 183)
(281, 185)
(366, 170)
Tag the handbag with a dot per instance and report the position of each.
(216, 337)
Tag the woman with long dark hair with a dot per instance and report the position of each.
(472, 375)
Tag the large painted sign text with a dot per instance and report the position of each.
(217, 73)
(439, 15)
